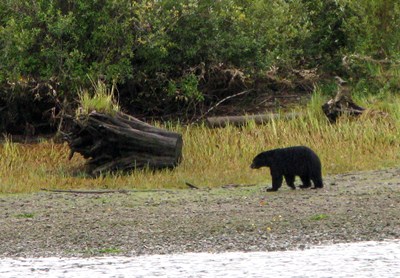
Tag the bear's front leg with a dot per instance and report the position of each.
(276, 182)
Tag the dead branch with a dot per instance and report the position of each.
(241, 120)
(219, 103)
(342, 103)
(192, 186)
(122, 191)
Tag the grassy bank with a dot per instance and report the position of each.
(215, 157)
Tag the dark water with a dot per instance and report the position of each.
(366, 259)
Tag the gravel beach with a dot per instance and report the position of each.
(351, 207)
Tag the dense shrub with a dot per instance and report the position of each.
(170, 56)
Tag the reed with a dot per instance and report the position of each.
(215, 157)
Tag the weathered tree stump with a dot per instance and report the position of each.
(122, 142)
(341, 104)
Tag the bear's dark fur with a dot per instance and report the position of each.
(290, 162)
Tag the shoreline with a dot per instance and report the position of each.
(352, 207)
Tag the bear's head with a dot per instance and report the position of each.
(264, 159)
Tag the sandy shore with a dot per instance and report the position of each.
(351, 207)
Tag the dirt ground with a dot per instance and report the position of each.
(351, 207)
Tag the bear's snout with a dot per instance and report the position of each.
(253, 166)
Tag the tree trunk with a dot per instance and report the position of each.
(122, 142)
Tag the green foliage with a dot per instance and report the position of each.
(65, 40)
(373, 49)
(327, 37)
(164, 53)
(185, 89)
(373, 27)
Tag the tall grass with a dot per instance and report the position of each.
(101, 99)
(215, 157)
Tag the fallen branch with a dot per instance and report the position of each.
(219, 103)
(241, 120)
(342, 103)
(369, 59)
(191, 185)
(123, 191)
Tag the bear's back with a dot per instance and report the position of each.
(297, 160)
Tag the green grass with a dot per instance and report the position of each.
(102, 99)
(216, 157)
(25, 215)
(111, 250)
(319, 217)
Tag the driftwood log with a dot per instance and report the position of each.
(342, 103)
(242, 120)
(122, 142)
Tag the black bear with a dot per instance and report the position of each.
(290, 162)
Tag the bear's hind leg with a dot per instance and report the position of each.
(317, 181)
(306, 182)
(290, 181)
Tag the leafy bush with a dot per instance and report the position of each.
(49, 40)
(172, 55)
